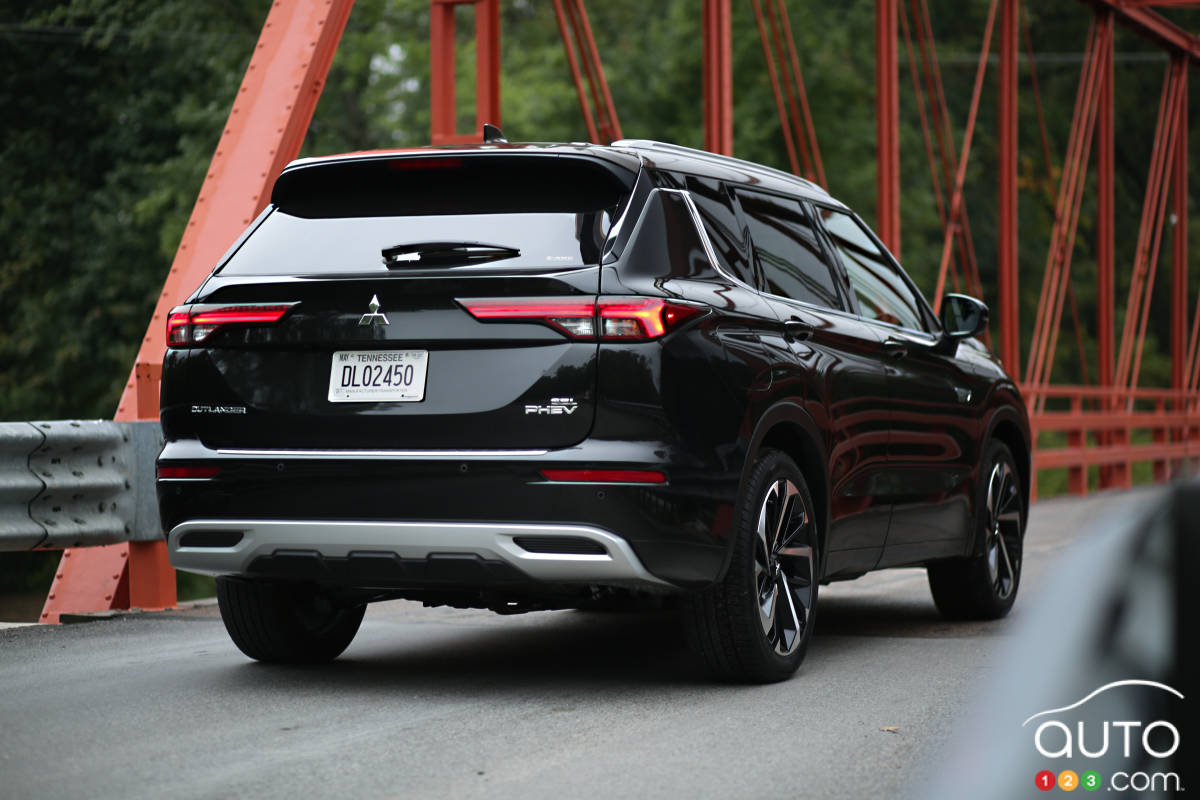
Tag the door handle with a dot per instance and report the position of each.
(794, 330)
(896, 348)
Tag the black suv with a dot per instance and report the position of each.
(526, 376)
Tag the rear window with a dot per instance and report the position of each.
(339, 218)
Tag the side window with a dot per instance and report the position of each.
(724, 231)
(788, 250)
(882, 293)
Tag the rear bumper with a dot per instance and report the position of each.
(415, 507)
(397, 552)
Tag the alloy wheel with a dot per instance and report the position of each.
(1004, 530)
(783, 566)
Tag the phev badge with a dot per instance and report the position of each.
(374, 316)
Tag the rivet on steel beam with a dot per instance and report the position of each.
(117, 577)
(51, 596)
(108, 597)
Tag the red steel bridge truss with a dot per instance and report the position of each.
(1109, 424)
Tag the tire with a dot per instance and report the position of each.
(984, 586)
(286, 622)
(755, 624)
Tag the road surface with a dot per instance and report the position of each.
(466, 704)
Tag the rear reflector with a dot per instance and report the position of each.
(188, 472)
(615, 318)
(191, 325)
(604, 475)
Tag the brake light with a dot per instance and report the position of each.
(187, 472)
(424, 163)
(615, 318)
(604, 475)
(191, 325)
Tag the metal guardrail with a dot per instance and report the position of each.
(77, 483)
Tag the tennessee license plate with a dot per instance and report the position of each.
(378, 376)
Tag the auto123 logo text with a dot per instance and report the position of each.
(1059, 735)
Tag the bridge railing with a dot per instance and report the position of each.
(1112, 429)
(77, 483)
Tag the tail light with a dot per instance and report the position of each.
(604, 475)
(615, 318)
(192, 325)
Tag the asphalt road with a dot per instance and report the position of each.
(463, 704)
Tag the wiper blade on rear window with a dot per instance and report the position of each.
(444, 254)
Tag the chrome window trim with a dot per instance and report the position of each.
(709, 251)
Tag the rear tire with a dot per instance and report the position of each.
(985, 586)
(286, 622)
(756, 623)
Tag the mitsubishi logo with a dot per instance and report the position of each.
(374, 316)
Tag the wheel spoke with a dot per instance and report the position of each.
(798, 551)
(1006, 577)
(799, 521)
(995, 482)
(787, 637)
(768, 609)
(762, 550)
(783, 500)
(1009, 507)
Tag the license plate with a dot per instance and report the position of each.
(378, 376)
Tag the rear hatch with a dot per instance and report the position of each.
(406, 303)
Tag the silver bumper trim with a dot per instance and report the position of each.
(369, 455)
(337, 539)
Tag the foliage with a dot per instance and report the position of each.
(110, 111)
(108, 115)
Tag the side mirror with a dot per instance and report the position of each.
(962, 316)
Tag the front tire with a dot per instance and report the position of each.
(286, 622)
(984, 586)
(755, 624)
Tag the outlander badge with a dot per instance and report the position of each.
(374, 316)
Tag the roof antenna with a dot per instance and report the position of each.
(492, 134)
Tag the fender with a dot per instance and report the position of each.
(793, 414)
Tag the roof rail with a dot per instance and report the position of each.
(713, 158)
